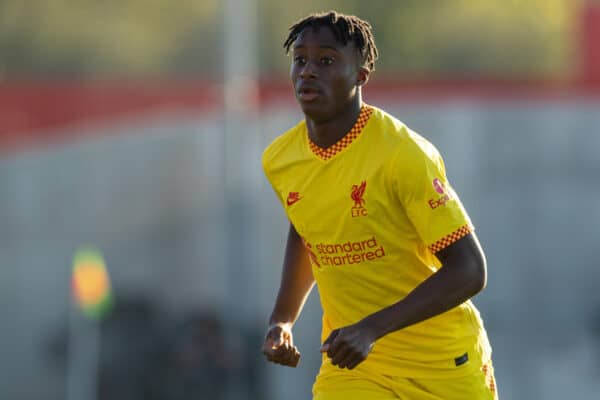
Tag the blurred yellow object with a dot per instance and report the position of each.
(90, 283)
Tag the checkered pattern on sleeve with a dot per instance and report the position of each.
(451, 238)
(361, 122)
(488, 371)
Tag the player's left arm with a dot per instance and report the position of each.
(463, 274)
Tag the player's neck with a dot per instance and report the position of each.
(326, 133)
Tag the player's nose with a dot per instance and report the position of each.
(308, 71)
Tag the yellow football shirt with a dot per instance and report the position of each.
(372, 210)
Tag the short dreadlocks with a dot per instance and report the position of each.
(346, 28)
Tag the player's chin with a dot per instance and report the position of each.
(315, 110)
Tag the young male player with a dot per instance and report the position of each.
(374, 221)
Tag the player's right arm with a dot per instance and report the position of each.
(296, 283)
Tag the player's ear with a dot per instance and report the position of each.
(363, 76)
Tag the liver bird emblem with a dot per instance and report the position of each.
(358, 191)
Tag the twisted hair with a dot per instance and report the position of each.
(346, 28)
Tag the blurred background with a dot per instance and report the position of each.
(136, 127)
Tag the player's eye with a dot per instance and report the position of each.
(327, 60)
(299, 60)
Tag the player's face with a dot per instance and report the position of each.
(325, 73)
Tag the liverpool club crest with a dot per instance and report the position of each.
(357, 195)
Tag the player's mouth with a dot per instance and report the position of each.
(308, 93)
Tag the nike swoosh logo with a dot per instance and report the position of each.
(293, 198)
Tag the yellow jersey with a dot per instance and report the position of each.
(372, 210)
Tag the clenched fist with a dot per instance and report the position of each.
(349, 346)
(279, 346)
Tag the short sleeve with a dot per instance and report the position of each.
(420, 183)
(267, 172)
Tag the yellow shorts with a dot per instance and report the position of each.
(354, 385)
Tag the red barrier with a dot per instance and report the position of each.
(34, 110)
(590, 44)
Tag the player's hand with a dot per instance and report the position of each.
(349, 346)
(279, 346)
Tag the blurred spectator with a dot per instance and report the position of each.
(200, 361)
(145, 355)
(131, 345)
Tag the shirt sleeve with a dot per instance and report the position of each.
(420, 183)
(268, 175)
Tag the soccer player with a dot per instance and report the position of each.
(375, 223)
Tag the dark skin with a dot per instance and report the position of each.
(296, 283)
(327, 78)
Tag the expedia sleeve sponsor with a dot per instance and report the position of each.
(423, 190)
